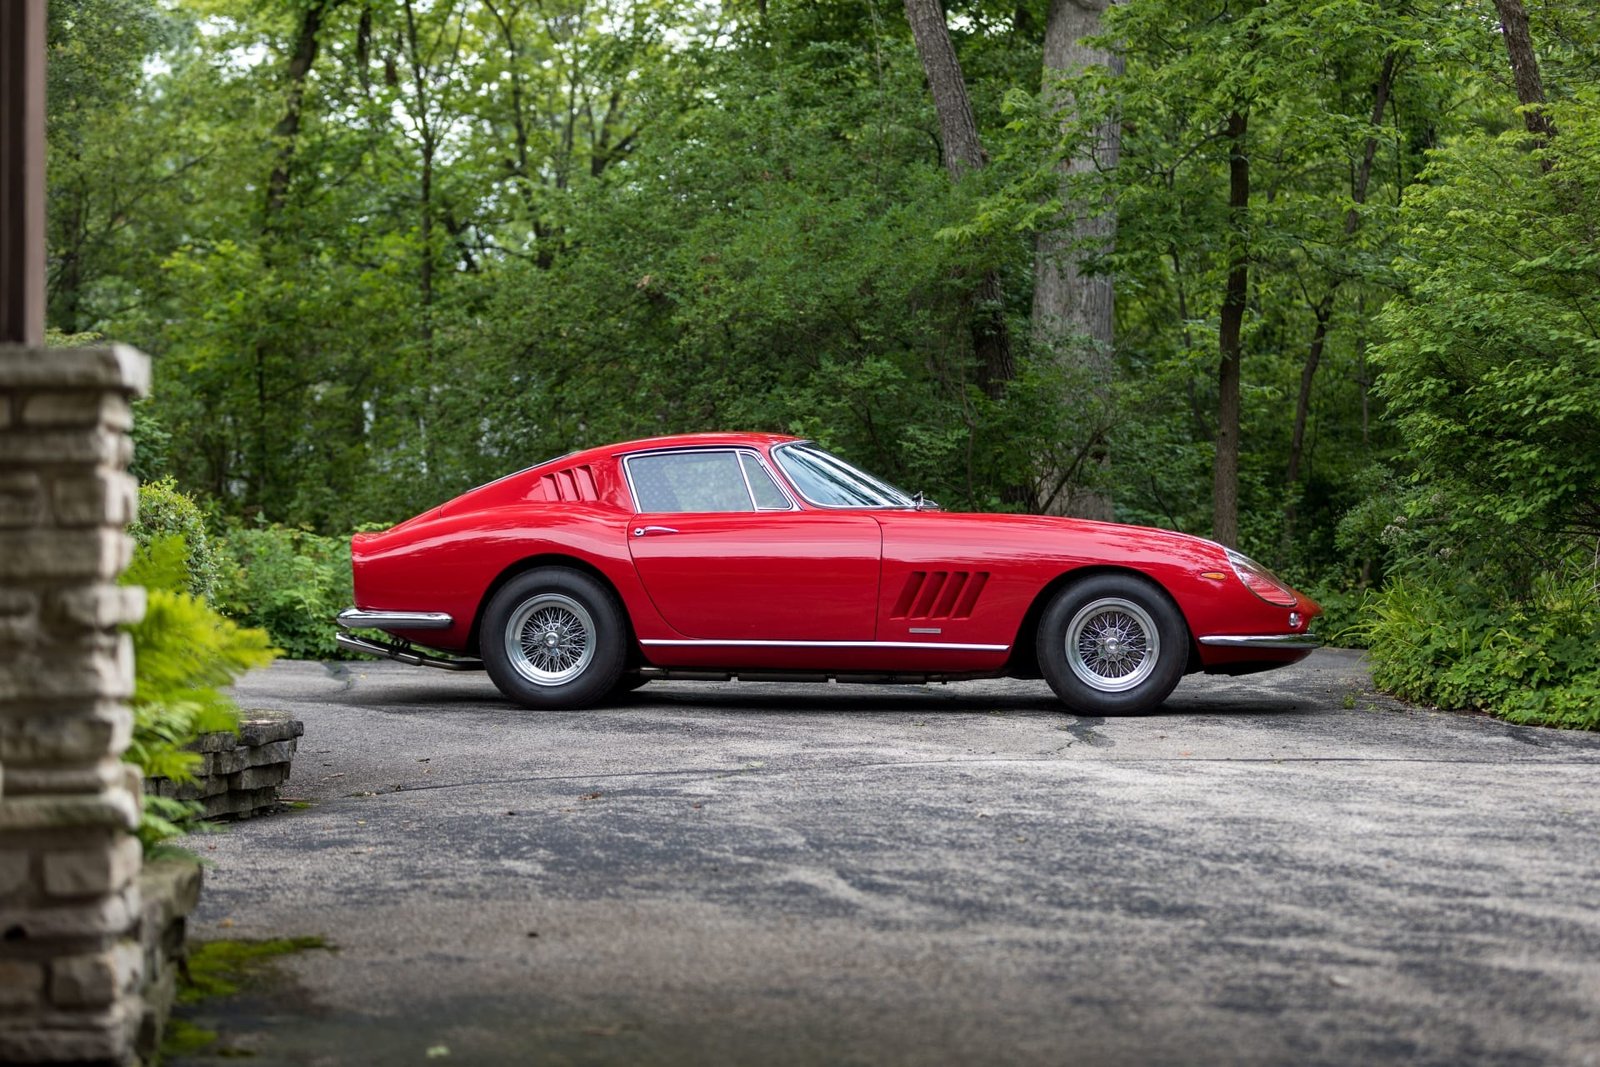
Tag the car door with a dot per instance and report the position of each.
(726, 555)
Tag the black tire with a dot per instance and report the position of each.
(1112, 644)
(579, 656)
(628, 683)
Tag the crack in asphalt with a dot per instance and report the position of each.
(730, 772)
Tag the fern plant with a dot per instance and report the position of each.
(184, 655)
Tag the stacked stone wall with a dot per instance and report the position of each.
(239, 774)
(71, 960)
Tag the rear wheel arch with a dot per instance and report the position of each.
(548, 559)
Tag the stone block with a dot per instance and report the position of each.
(112, 810)
(221, 764)
(64, 672)
(81, 407)
(98, 607)
(15, 869)
(108, 917)
(261, 777)
(217, 741)
(171, 891)
(264, 755)
(113, 367)
(87, 981)
(103, 498)
(89, 554)
(94, 778)
(21, 983)
(21, 499)
(200, 788)
(37, 735)
(19, 617)
(68, 1037)
(257, 729)
(98, 447)
(91, 871)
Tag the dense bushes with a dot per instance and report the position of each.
(1492, 372)
(1532, 660)
(165, 511)
(289, 582)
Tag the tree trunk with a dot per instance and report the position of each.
(1324, 309)
(1225, 472)
(302, 56)
(959, 144)
(962, 152)
(287, 131)
(1525, 71)
(1072, 310)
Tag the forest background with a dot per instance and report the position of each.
(1320, 278)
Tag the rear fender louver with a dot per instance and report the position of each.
(939, 595)
(574, 483)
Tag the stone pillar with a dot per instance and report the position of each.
(70, 958)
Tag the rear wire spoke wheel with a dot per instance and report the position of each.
(1112, 644)
(553, 638)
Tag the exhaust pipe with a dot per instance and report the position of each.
(406, 654)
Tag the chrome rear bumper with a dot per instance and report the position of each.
(356, 619)
(401, 651)
(1277, 641)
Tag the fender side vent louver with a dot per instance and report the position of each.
(939, 595)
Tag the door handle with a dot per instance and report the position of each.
(641, 531)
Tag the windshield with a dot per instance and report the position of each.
(828, 481)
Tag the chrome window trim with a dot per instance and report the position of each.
(627, 459)
(1263, 641)
(741, 453)
(942, 646)
(909, 505)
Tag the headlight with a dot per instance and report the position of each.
(1262, 582)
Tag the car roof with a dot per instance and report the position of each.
(693, 440)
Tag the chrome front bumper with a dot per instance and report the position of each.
(1282, 642)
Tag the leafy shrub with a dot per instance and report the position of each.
(289, 582)
(164, 511)
(1530, 660)
(184, 653)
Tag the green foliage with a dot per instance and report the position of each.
(1533, 660)
(166, 511)
(484, 234)
(184, 654)
(290, 583)
(222, 968)
(1492, 366)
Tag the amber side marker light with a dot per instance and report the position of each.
(1215, 576)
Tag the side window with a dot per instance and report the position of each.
(768, 496)
(689, 481)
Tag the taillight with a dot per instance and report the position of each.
(1262, 582)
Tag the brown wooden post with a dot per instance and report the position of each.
(22, 256)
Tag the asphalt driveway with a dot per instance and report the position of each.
(1281, 869)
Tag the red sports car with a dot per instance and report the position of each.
(759, 556)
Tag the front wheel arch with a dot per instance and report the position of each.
(1112, 644)
(1024, 662)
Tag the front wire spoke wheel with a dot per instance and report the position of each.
(1112, 645)
(550, 639)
